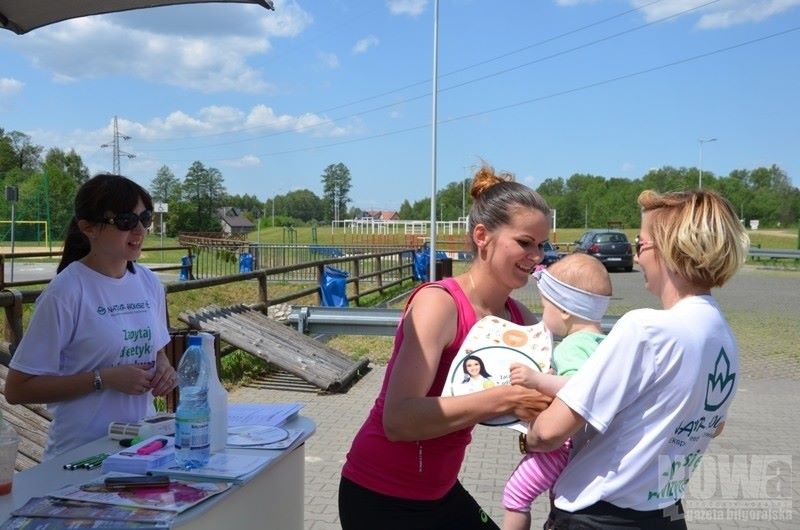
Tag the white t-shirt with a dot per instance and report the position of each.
(652, 394)
(84, 321)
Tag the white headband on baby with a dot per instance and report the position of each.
(582, 304)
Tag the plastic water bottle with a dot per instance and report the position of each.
(191, 417)
(217, 399)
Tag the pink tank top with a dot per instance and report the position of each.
(424, 470)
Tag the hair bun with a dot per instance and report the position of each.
(486, 178)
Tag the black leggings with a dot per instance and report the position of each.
(363, 509)
(605, 516)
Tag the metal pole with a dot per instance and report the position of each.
(13, 219)
(700, 176)
(463, 197)
(702, 141)
(432, 264)
(161, 218)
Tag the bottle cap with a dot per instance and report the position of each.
(195, 340)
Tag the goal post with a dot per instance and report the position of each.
(25, 223)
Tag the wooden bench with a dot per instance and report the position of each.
(252, 331)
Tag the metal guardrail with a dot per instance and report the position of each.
(773, 253)
(318, 320)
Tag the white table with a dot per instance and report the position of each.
(272, 499)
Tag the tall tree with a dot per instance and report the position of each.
(335, 191)
(303, 205)
(204, 189)
(71, 164)
(165, 186)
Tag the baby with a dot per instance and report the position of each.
(575, 294)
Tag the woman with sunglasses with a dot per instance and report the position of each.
(644, 408)
(93, 348)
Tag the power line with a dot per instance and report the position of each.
(428, 80)
(453, 87)
(536, 99)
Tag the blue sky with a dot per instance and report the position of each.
(540, 88)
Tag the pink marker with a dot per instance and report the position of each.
(152, 447)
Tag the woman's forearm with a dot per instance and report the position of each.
(423, 418)
(26, 388)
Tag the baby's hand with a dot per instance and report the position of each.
(524, 376)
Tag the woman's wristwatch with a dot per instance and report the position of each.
(97, 382)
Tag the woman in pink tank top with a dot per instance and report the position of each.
(402, 468)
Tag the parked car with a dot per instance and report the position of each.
(551, 255)
(611, 247)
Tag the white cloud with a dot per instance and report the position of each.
(627, 167)
(245, 161)
(330, 60)
(370, 41)
(218, 120)
(742, 12)
(406, 7)
(9, 86)
(723, 14)
(204, 47)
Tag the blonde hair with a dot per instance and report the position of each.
(697, 234)
(584, 272)
(496, 196)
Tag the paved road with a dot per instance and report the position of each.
(747, 480)
(29, 270)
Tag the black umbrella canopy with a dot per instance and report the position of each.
(22, 16)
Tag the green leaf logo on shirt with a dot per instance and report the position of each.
(720, 383)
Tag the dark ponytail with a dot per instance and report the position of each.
(99, 196)
(76, 246)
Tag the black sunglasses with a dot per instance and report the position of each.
(128, 221)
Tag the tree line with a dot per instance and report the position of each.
(593, 201)
(48, 180)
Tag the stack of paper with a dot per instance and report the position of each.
(273, 414)
(142, 457)
(221, 466)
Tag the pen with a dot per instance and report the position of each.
(96, 462)
(98, 459)
(152, 447)
(79, 463)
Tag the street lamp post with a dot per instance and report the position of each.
(702, 141)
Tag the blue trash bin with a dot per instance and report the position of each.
(333, 286)
(186, 263)
(422, 259)
(245, 262)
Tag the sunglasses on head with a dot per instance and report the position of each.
(640, 244)
(128, 221)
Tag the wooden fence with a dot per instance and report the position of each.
(370, 273)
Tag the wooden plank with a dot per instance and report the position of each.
(31, 423)
(255, 333)
(263, 345)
